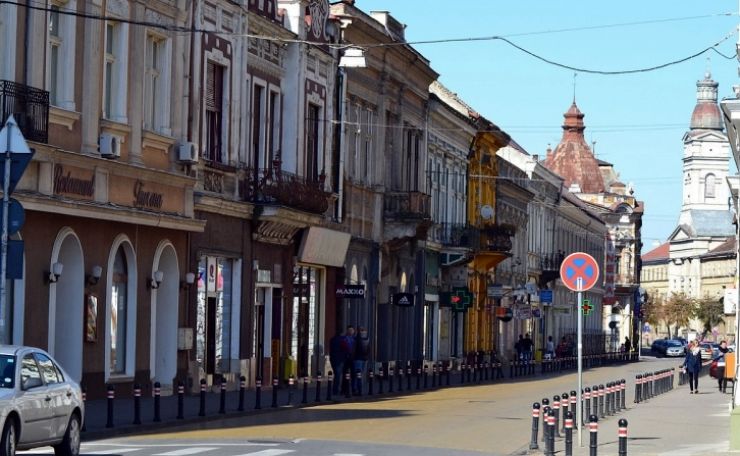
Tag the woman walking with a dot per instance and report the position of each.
(692, 364)
(721, 379)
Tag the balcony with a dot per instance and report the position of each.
(456, 235)
(276, 187)
(29, 106)
(407, 206)
(550, 266)
(497, 237)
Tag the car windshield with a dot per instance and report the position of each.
(675, 343)
(7, 371)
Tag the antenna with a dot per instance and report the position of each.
(574, 87)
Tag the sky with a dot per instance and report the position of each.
(637, 121)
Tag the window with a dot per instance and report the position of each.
(274, 128)
(257, 132)
(156, 84)
(709, 186)
(29, 369)
(118, 313)
(60, 53)
(411, 163)
(115, 71)
(48, 370)
(55, 44)
(312, 143)
(7, 371)
(214, 112)
(367, 140)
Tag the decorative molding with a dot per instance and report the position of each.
(63, 117)
(156, 141)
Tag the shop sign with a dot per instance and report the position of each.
(563, 310)
(211, 275)
(546, 296)
(67, 184)
(350, 291)
(495, 291)
(402, 299)
(146, 199)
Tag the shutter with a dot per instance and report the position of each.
(214, 86)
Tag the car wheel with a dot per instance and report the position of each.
(9, 439)
(70, 445)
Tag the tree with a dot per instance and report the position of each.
(678, 310)
(652, 310)
(710, 312)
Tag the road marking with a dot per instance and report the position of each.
(269, 453)
(186, 451)
(116, 451)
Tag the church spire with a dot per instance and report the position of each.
(706, 114)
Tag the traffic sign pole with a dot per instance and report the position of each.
(4, 236)
(579, 409)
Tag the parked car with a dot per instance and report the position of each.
(674, 348)
(658, 346)
(709, 350)
(40, 405)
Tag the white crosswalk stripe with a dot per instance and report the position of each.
(271, 452)
(186, 451)
(116, 451)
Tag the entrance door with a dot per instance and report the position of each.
(259, 332)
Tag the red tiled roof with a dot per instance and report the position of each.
(659, 253)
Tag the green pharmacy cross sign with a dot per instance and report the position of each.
(587, 307)
(461, 299)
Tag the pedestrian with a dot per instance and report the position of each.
(336, 358)
(627, 343)
(549, 348)
(348, 354)
(527, 346)
(721, 379)
(519, 347)
(362, 354)
(692, 364)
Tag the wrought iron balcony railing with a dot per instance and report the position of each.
(497, 237)
(29, 106)
(274, 186)
(456, 235)
(552, 261)
(407, 206)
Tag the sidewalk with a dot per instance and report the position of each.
(675, 423)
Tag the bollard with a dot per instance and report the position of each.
(511, 369)
(258, 394)
(370, 380)
(84, 399)
(318, 387)
(586, 408)
(426, 376)
(304, 399)
(347, 384)
(602, 392)
(608, 399)
(137, 403)
(622, 437)
(564, 403)
(274, 392)
(242, 389)
(110, 394)
(449, 373)
(202, 411)
(418, 378)
(556, 414)
(638, 388)
(624, 393)
(358, 376)
(470, 372)
(545, 410)
(222, 398)
(408, 376)
(399, 376)
(485, 371)
(180, 401)
(594, 400)
(593, 430)
(551, 429)
(380, 380)
(535, 424)
(329, 385)
(390, 379)
(573, 404)
(291, 385)
(434, 376)
(569, 434)
(157, 402)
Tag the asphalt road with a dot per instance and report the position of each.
(488, 419)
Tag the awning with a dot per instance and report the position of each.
(324, 247)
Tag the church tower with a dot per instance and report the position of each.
(706, 156)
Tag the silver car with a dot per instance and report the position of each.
(40, 405)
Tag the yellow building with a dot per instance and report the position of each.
(494, 241)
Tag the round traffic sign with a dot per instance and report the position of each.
(579, 271)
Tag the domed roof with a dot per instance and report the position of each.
(572, 158)
(706, 115)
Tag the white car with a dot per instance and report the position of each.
(40, 405)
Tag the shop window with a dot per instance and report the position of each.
(305, 318)
(118, 313)
(215, 314)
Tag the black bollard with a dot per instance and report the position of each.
(274, 392)
(551, 430)
(470, 374)
(180, 401)
(358, 376)
(556, 414)
(381, 374)
(329, 385)
(258, 394)
(622, 437)
(638, 389)
(137, 403)
(594, 400)
(586, 409)
(242, 389)
(545, 411)
(304, 399)
(390, 379)
(111, 395)
(409, 370)
(602, 393)
(318, 387)
(535, 424)
(564, 403)
(569, 434)
(157, 401)
(222, 398)
(291, 385)
(426, 376)
(418, 378)
(462, 373)
(370, 379)
(593, 430)
(202, 411)
(399, 376)
(347, 384)
(608, 400)
(434, 376)
(624, 393)
(449, 372)
(573, 405)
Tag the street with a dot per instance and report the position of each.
(488, 419)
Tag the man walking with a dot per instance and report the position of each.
(362, 353)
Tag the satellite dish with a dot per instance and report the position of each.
(486, 212)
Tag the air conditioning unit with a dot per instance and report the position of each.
(109, 146)
(187, 153)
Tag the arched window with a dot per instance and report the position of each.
(118, 313)
(709, 184)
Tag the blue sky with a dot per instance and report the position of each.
(637, 120)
